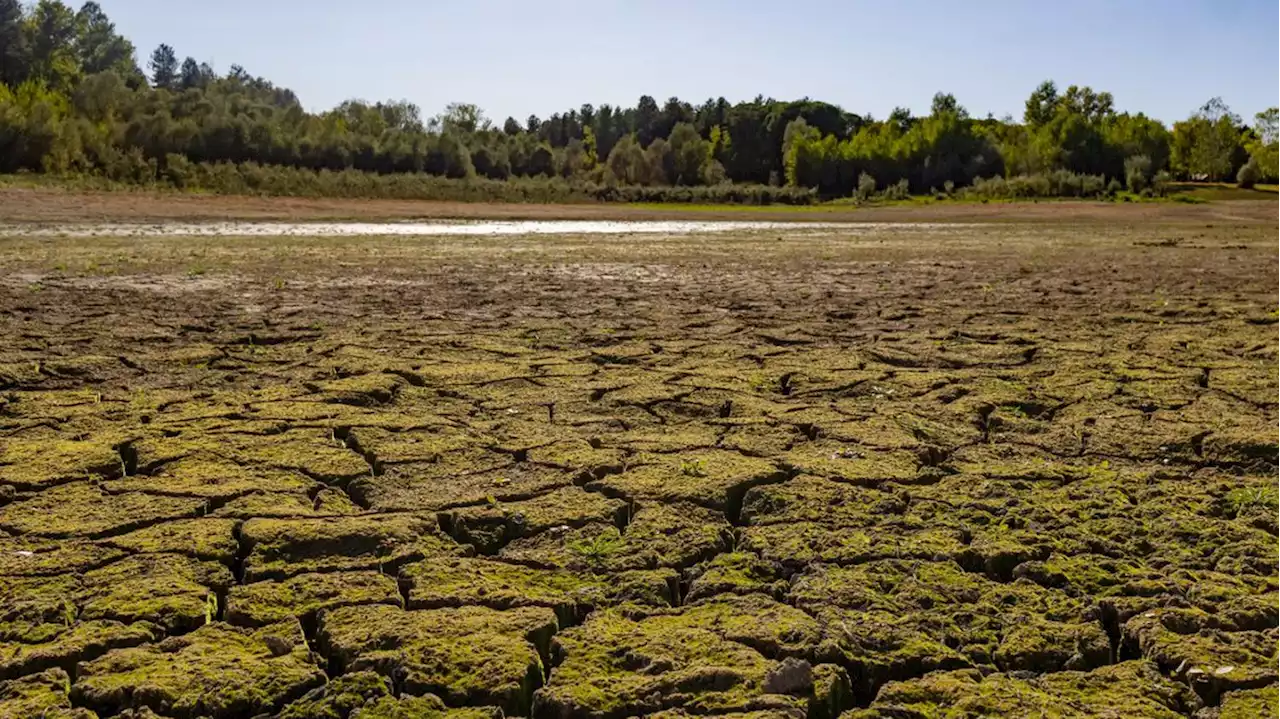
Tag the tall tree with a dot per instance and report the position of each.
(688, 154)
(100, 48)
(646, 121)
(1262, 143)
(15, 53)
(164, 67)
(463, 117)
(1041, 105)
(51, 36)
(946, 103)
(189, 75)
(1207, 144)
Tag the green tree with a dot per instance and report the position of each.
(945, 103)
(626, 162)
(190, 76)
(589, 155)
(462, 117)
(646, 120)
(491, 163)
(1262, 144)
(511, 126)
(100, 98)
(688, 154)
(1206, 145)
(51, 36)
(101, 48)
(1041, 105)
(542, 161)
(658, 163)
(164, 67)
(15, 53)
(1128, 135)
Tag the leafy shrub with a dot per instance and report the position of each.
(1137, 172)
(899, 190)
(866, 186)
(1160, 183)
(133, 168)
(1249, 174)
(1059, 183)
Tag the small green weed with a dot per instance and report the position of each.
(693, 468)
(596, 551)
(1246, 498)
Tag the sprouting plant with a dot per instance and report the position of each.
(69, 613)
(1246, 498)
(758, 381)
(196, 270)
(1102, 471)
(210, 607)
(278, 283)
(595, 551)
(491, 501)
(693, 468)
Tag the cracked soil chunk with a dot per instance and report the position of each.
(280, 548)
(215, 671)
(468, 655)
(1130, 689)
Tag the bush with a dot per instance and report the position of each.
(132, 168)
(713, 173)
(949, 187)
(1160, 183)
(1114, 187)
(899, 190)
(1059, 183)
(1137, 172)
(866, 186)
(1249, 174)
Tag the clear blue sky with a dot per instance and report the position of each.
(1162, 57)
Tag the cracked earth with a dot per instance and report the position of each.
(1009, 470)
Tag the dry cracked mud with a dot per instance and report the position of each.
(1025, 469)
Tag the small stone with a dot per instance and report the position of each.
(790, 676)
(279, 646)
(1224, 670)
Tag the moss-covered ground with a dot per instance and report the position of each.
(1020, 469)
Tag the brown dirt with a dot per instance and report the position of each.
(1034, 449)
(51, 205)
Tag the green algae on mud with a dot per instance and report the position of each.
(1007, 470)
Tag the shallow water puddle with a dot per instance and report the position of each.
(480, 228)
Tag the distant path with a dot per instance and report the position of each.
(47, 205)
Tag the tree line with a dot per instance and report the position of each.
(73, 100)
